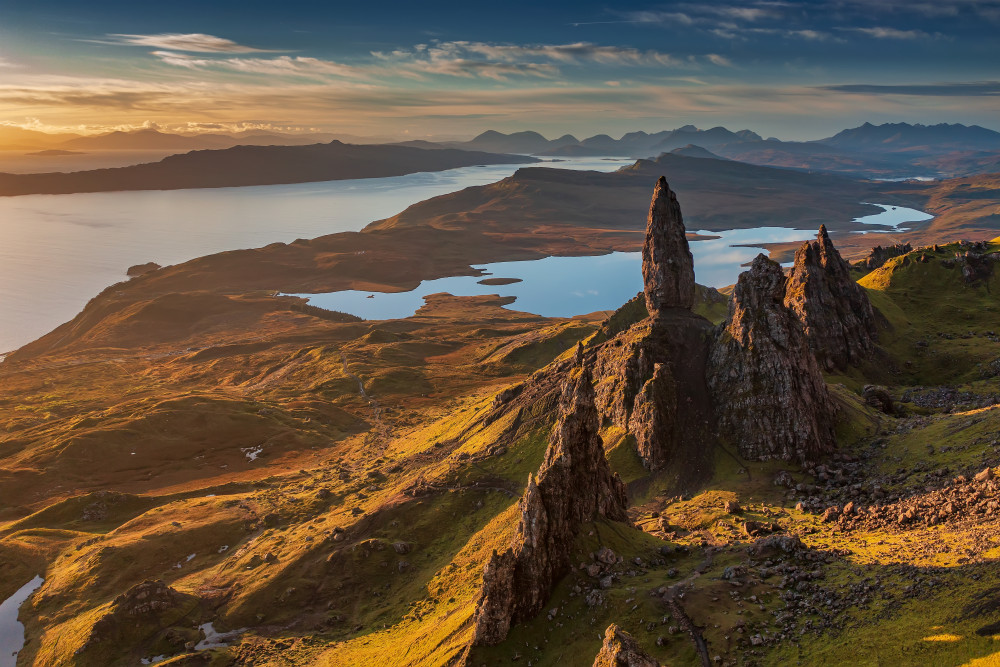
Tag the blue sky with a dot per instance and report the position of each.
(790, 69)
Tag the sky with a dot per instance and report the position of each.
(427, 69)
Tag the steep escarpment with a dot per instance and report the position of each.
(573, 486)
(834, 310)
(770, 395)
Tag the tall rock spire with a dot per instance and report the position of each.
(574, 485)
(667, 264)
(834, 310)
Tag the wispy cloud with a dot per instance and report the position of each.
(192, 42)
(281, 65)
(889, 33)
(964, 89)
(501, 61)
(721, 61)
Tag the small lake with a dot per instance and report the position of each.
(58, 251)
(892, 217)
(567, 286)
(11, 630)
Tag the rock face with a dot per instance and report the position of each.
(770, 396)
(653, 417)
(878, 255)
(621, 650)
(834, 310)
(574, 485)
(667, 264)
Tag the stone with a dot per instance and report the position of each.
(878, 398)
(770, 396)
(732, 507)
(984, 476)
(784, 479)
(621, 650)
(756, 528)
(667, 263)
(836, 315)
(574, 485)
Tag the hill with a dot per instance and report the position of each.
(253, 165)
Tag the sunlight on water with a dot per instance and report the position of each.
(567, 286)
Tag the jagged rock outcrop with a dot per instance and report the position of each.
(140, 612)
(770, 397)
(574, 485)
(834, 310)
(621, 650)
(976, 266)
(878, 255)
(667, 263)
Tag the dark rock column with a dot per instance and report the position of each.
(769, 393)
(667, 264)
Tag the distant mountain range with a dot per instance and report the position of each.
(906, 137)
(892, 150)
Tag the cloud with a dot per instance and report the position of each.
(721, 61)
(967, 89)
(566, 53)
(193, 42)
(288, 65)
(501, 61)
(889, 33)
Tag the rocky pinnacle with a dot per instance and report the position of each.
(667, 264)
(834, 310)
(574, 485)
(770, 395)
